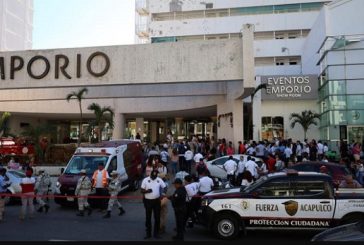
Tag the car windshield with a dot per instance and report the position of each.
(90, 163)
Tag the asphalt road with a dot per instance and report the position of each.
(62, 224)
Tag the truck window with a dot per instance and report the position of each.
(312, 189)
(113, 165)
(275, 189)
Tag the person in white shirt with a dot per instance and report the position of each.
(320, 150)
(299, 151)
(188, 160)
(151, 188)
(306, 147)
(206, 184)
(197, 157)
(326, 148)
(164, 155)
(252, 167)
(192, 189)
(262, 170)
(241, 168)
(288, 152)
(250, 151)
(230, 167)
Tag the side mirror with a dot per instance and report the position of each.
(62, 170)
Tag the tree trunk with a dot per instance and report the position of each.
(80, 127)
(101, 128)
(305, 133)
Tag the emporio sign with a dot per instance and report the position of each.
(39, 66)
(302, 87)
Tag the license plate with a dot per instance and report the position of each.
(70, 199)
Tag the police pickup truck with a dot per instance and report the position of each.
(291, 200)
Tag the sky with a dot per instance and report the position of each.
(82, 23)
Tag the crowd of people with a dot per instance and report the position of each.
(185, 155)
(184, 161)
(183, 164)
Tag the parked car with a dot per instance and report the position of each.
(216, 169)
(14, 177)
(335, 170)
(353, 232)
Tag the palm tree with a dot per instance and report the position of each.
(79, 96)
(4, 120)
(250, 126)
(103, 115)
(305, 119)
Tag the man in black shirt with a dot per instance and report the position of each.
(178, 200)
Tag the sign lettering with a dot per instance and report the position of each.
(266, 207)
(295, 223)
(42, 65)
(290, 87)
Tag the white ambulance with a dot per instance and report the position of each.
(123, 156)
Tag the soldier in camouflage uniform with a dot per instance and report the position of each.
(114, 188)
(42, 185)
(82, 190)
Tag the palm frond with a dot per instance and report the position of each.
(259, 87)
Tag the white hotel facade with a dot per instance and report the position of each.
(293, 39)
(309, 52)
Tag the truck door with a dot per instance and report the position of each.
(282, 203)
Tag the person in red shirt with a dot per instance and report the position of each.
(230, 149)
(241, 148)
(271, 161)
(27, 185)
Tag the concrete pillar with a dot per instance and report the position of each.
(119, 126)
(231, 132)
(248, 55)
(179, 126)
(139, 124)
(154, 128)
(238, 122)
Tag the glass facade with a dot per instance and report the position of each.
(341, 93)
(157, 130)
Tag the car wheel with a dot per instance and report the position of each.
(226, 226)
(135, 184)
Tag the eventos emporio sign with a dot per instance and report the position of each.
(302, 87)
(39, 66)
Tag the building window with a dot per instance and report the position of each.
(209, 5)
(293, 62)
(279, 62)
